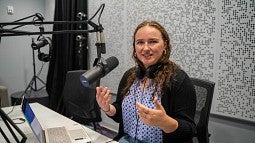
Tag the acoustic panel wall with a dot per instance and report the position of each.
(211, 39)
(236, 77)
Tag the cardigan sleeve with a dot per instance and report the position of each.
(182, 107)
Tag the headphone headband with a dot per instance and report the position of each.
(149, 72)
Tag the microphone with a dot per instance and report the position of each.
(99, 71)
(40, 43)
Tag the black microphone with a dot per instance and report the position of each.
(40, 43)
(99, 71)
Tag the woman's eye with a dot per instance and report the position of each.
(139, 42)
(153, 42)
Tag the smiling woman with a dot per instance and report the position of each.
(149, 45)
(156, 99)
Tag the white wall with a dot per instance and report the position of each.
(15, 52)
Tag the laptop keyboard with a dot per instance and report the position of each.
(58, 135)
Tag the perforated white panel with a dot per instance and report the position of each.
(211, 40)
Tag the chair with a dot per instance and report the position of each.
(204, 92)
(80, 102)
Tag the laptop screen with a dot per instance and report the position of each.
(32, 120)
(76, 134)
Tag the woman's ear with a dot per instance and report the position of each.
(164, 51)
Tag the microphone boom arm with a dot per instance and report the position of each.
(12, 32)
(100, 44)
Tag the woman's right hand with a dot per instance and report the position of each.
(103, 98)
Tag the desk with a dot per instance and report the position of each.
(47, 118)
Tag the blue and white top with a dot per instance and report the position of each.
(133, 126)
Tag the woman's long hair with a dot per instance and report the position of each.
(163, 77)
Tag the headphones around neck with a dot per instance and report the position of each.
(42, 56)
(149, 72)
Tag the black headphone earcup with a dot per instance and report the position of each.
(40, 56)
(150, 73)
(43, 57)
(140, 73)
(46, 58)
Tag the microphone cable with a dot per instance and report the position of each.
(100, 8)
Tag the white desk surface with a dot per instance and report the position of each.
(48, 118)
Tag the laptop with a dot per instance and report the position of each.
(52, 135)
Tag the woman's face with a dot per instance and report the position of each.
(149, 45)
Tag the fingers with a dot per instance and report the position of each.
(103, 96)
(102, 92)
(145, 114)
(157, 104)
(141, 108)
(143, 111)
(150, 116)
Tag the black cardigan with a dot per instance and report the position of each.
(179, 102)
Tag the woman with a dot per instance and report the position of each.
(156, 100)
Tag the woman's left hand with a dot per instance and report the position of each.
(152, 117)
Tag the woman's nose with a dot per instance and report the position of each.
(146, 46)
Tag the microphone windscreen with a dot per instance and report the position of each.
(99, 71)
(111, 63)
(38, 44)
